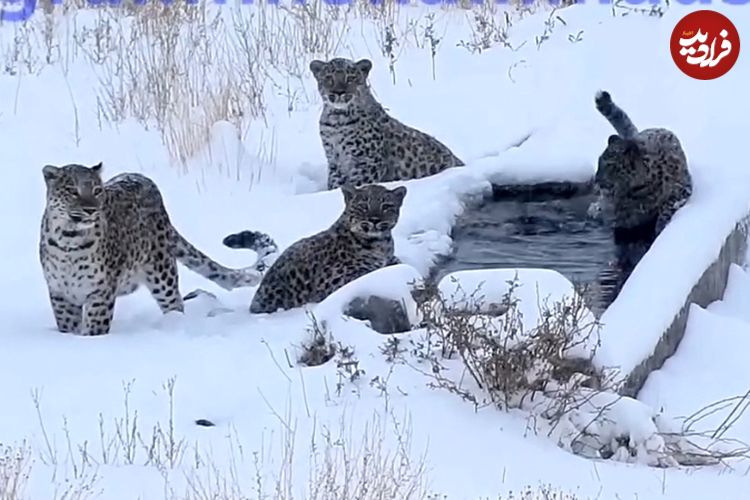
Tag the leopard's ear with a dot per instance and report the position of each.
(399, 194)
(364, 65)
(50, 173)
(316, 66)
(349, 192)
(614, 139)
(97, 169)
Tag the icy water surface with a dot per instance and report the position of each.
(540, 228)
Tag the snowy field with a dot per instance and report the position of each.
(220, 110)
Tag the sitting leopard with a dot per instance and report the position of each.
(358, 243)
(642, 177)
(362, 143)
(102, 240)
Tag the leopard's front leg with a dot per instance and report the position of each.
(98, 312)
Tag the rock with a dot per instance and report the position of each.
(385, 315)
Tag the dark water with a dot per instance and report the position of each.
(547, 230)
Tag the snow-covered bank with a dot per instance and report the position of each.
(646, 322)
(705, 382)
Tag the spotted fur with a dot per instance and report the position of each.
(363, 144)
(102, 240)
(642, 176)
(358, 243)
(261, 243)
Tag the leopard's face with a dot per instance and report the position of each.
(340, 80)
(622, 168)
(75, 193)
(372, 211)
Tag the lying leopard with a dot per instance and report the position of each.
(359, 242)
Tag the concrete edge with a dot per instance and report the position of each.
(709, 288)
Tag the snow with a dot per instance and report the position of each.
(646, 304)
(393, 282)
(708, 366)
(535, 290)
(238, 370)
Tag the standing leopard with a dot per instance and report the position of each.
(100, 240)
(358, 243)
(362, 143)
(642, 177)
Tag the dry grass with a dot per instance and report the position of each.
(183, 68)
(14, 471)
(372, 462)
(490, 355)
(341, 467)
(369, 459)
(510, 361)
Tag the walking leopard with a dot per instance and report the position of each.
(101, 240)
(362, 142)
(642, 176)
(359, 242)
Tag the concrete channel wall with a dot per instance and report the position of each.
(647, 325)
(709, 288)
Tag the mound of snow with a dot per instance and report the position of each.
(536, 293)
(393, 283)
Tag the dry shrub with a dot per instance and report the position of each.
(341, 467)
(180, 68)
(509, 361)
(543, 492)
(319, 348)
(15, 466)
(375, 461)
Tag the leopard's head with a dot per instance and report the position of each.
(75, 193)
(372, 211)
(622, 168)
(341, 81)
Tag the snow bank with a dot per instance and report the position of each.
(394, 283)
(536, 293)
(580, 414)
(710, 364)
(688, 263)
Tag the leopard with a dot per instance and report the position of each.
(359, 242)
(642, 178)
(363, 144)
(103, 240)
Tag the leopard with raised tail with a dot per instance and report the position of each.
(642, 177)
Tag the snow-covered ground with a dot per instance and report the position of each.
(705, 383)
(237, 369)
